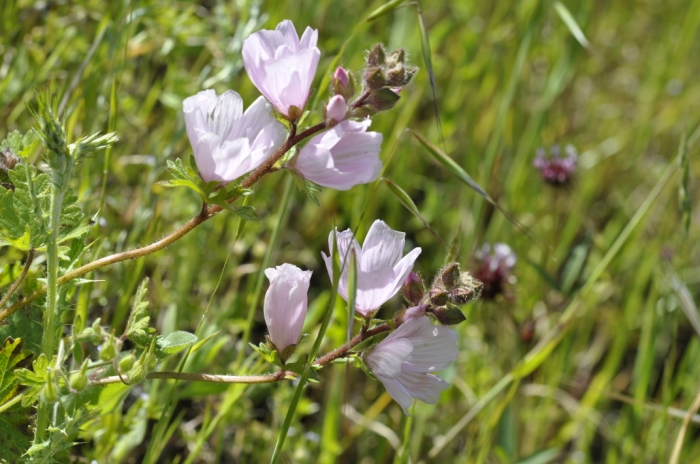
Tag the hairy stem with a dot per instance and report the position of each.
(213, 378)
(266, 378)
(174, 236)
(17, 283)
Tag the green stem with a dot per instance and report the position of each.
(48, 339)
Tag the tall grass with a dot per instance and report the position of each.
(613, 365)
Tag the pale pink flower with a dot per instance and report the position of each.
(381, 270)
(285, 304)
(342, 157)
(404, 359)
(227, 142)
(282, 66)
(336, 109)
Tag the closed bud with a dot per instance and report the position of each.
(295, 113)
(413, 289)
(343, 83)
(79, 380)
(461, 295)
(450, 275)
(448, 316)
(137, 373)
(396, 57)
(336, 109)
(376, 56)
(96, 328)
(438, 296)
(126, 363)
(109, 350)
(49, 392)
(374, 78)
(383, 99)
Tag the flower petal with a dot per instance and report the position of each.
(385, 361)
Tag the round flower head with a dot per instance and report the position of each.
(404, 360)
(227, 142)
(282, 66)
(381, 269)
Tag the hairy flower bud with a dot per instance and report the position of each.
(438, 296)
(376, 56)
(374, 78)
(413, 289)
(450, 275)
(79, 380)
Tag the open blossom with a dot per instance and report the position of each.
(381, 270)
(404, 360)
(285, 304)
(227, 142)
(282, 66)
(342, 157)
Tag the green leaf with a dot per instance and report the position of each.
(137, 327)
(174, 343)
(387, 8)
(11, 354)
(35, 379)
(245, 212)
(185, 176)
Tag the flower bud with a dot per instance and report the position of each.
(448, 316)
(376, 56)
(374, 78)
(336, 109)
(109, 350)
(96, 328)
(49, 391)
(343, 83)
(438, 296)
(79, 380)
(383, 99)
(450, 275)
(413, 289)
(126, 363)
(396, 57)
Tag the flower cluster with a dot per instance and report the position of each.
(495, 269)
(556, 170)
(229, 143)
(407, 358)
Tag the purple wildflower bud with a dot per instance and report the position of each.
(495, 269)
(556, 170)
(285, 304)
(413, 289)
(341, 76)
(336, 109)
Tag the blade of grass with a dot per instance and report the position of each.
(573, 26)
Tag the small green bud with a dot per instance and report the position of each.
(126, 363)
(79, 380)
(109, 350)
(137, 373)
(450, 275)
(96, 328)
(376, 56)
(49, 392)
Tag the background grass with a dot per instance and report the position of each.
(624, 365)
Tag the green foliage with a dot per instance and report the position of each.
(173, 343)
(34, 379)
(137, 327)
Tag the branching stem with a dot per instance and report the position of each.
(177, 234)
